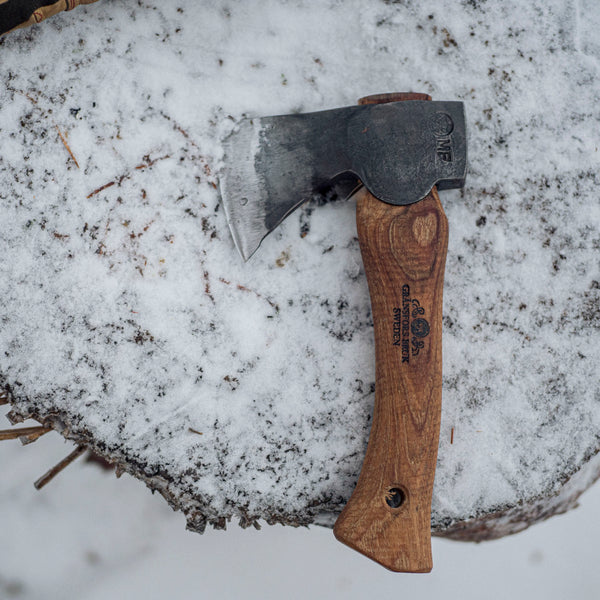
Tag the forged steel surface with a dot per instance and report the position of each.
(399, 151)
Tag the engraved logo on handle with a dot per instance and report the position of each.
(410, 326)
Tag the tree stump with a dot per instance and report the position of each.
(244, 391)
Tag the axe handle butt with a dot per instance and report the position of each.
(388, 517)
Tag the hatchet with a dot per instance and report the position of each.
(395, 149)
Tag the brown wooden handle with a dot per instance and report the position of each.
(388, 517)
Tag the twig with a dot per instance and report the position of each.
(119, 180)
(181, 130)
(67, 146)
(243, 288)
(102, 187)
(56, 469)
(22, 93)
(13, 434)
(150, 161)
(192, 430)
(33, 437)
(452, 436)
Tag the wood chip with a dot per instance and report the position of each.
(64, 141)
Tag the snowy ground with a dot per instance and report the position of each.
(90, 536)
(142, 321)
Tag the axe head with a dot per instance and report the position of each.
(398, 151)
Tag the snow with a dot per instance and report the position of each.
(127, 312)
(90, 536)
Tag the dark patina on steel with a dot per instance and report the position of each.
(398, 150)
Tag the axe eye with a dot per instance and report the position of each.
(395, 497)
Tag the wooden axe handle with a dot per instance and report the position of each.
(388, 517)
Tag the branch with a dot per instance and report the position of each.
(28, 432)
(56, 469)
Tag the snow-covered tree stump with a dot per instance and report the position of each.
(244, 391)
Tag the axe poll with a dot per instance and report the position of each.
(396, 149)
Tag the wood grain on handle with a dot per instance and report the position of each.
(388, 517)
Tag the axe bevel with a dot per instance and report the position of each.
(399, 151)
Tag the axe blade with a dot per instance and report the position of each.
(399, 151)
